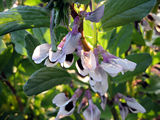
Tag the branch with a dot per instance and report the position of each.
(3, 79)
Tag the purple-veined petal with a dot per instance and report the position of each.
(123, 111)
(134, 106)
(68, 61)
(88, 60)
(71, 43)
(111, 68)
(98, 74)
(92, 112)
(100, 87)
(41, 52)
(126, 64)
(60, 99)
(96, 15)
(48, 63)
(80, 68)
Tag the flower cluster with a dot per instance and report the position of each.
(97, 63)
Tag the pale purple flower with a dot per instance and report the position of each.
(114, 65)
(64, 51)
(96, 15)
(92, 112)
(87, 64)
(67, 106)
(130, 105)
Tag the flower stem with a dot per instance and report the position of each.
(94, 27)
(53, 43)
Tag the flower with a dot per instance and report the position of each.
(87, 64)
(96, 15)
(92, 112)
(64, 51)
(129, 105)
(114, 65)
(66, 105)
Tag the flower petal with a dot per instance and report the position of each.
(88, 60)
(80, 68)
(48, 63)
(40, 53)
(96, 15)
(103, 102)
(123, 111)
(98, 74)
(66, 110)
(126, 64)
(71, 43)
(111, 68)
(100, 87)
(68, 61)
(92, 112)
(134, 105)
(60, 99)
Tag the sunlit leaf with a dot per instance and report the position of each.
(45, 79)
(2, 45)
(23, 17)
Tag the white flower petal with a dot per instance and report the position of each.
(124, 112)
(80, 68)
(92, 112)
(68, 61)
(111, 68)
(40, 53)
(98, 74)
(100, 87)
(88, 60)
(50, 64)
(66, 110)
(126, 64)
(134, 105)
(71, 43)
(60, 99)
(103, 102)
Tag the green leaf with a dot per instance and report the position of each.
(157, 41)
(39, 33)
(143, 60)
(44, 79)
(5, 57)
(31, 44)
(137, 38)
(120, 42)
(2, 45)
(17, 38)
(121, 12)
(23, 17)
(154, 85)
(60, 32)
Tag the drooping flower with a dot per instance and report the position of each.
(114, 65)
(129, 105)
(92, 112)
(95, 15)
(66, 105)
(64, 51)
(88, 64)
